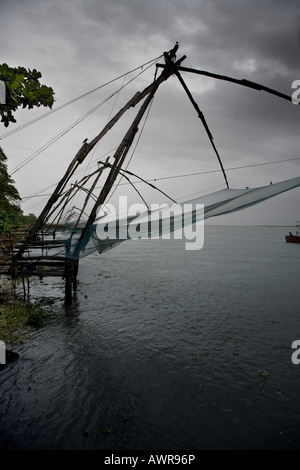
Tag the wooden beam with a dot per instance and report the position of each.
(243, 82)
(201, 116)
(83, 152)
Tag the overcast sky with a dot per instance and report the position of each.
(79, 45)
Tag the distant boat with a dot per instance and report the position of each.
(293, 238)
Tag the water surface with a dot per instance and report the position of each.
(165, 349)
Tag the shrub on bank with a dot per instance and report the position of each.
(17, 319)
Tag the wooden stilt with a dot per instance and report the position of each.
(68, 282)
(24, 289)
(71, 271)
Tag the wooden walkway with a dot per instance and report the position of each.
(37, 260)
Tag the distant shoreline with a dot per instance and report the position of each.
(250, 225)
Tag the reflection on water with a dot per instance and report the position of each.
(165, 349)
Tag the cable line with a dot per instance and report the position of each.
(54, 139)
(181, 176)
(7, 134)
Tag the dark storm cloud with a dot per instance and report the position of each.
(80, 44)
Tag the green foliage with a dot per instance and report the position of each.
(17, 320)
(10, 211)
(23, 89)
(28, 219)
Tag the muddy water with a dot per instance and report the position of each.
(165, 349)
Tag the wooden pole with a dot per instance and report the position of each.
(243, 81)
(87, 147)
(99, 171)
(68, 282)
(201, 116)
(83, 152)
(119, 157)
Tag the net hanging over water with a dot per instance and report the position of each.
(112, 229)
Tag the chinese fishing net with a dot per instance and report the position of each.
(112, 229)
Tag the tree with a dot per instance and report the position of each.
(22, 88)
(28, 219)
(10, 211)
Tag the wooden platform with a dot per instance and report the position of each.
(37, 260)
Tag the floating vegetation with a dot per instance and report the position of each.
(263, 375)
(106, 430)
(227, 339)
(203, 354)
(125, 416)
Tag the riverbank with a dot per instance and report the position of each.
(18, 318)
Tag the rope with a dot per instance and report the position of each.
(227, 169)
(54, 139)
(38, 194)
(7, 134)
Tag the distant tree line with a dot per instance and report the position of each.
(11, 214)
